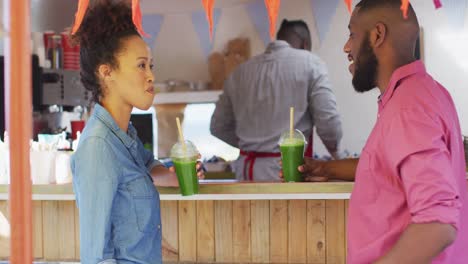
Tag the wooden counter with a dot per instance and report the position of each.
(226, 222)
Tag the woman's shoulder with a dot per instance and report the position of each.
(94, 147)
(95, 155)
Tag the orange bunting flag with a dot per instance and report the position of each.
(79, 15)
(349, 5)
(404, 8)
(208, 5)
(273, 9)
(136, 17)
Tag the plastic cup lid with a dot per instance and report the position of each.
(181, 151)
(296, 138)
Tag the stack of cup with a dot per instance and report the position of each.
(292, 148)
(71, 53)
(42, 164)
(184, 155)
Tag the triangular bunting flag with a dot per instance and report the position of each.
(80, 13)
(136, 17)
(152, 24)
(208, 5)
(349, 5)
(273, 9)
(203, 30)
(323, 14)
(404, 8)
(259, 16)
(437, 4)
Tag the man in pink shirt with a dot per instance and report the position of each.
(409, 203)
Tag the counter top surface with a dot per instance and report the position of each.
(218, 190)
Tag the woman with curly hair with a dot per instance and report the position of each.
(114, 176)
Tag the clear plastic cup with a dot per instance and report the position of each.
(292, 155)
(184, 157)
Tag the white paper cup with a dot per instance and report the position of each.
(42, 167)
(63, 172)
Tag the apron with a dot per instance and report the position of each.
(251, 157)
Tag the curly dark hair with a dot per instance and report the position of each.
(100, 37)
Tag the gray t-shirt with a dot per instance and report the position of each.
(253, 111)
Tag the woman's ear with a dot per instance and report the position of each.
(104, 71)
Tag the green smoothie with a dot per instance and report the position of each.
(187, 175)
(292, 155)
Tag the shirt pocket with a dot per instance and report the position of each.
(145, 201)
(365, 189)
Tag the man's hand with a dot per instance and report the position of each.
(313, 170)
(321, 171)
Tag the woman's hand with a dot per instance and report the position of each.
(200, 170)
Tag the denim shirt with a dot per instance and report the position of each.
(118, 204)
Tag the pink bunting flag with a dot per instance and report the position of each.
(437, 4)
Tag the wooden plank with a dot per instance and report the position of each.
(316, 251)
(335, 232)
(66, 230)
(297, 225)
(187, 231)
(260, 221)
(4, 230)
(77, 232)
(170, 231)
(37, 230)
(241, 232)
(223, 231)
(278, 231)
(50, 220)
(205, 231)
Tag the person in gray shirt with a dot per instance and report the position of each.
(253, 110)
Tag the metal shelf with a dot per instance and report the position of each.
(198, 97)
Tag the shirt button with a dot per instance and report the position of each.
(159, 226)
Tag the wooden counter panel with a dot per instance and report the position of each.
(260, 231)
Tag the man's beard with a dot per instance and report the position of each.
(365, 74)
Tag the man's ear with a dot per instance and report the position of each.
(105, 72)
(378, 35)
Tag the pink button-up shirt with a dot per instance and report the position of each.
(412, 170)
